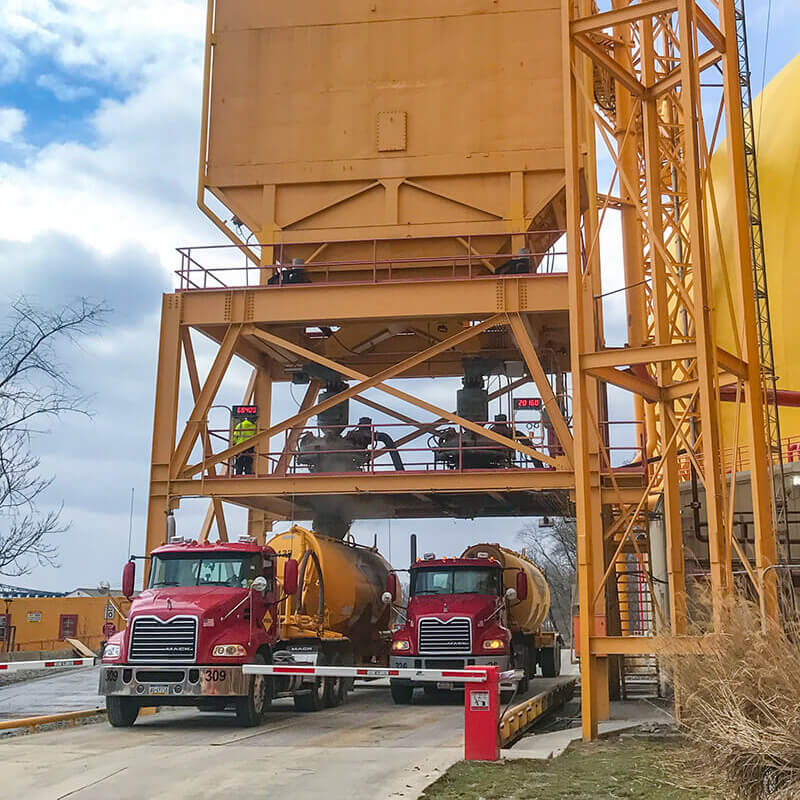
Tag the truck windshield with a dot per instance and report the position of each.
(456, 580)
(213, 569)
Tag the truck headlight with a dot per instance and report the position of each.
(111, 651)
(494, 644)
(229, 650)
(401, 644)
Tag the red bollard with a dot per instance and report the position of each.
(482, 717)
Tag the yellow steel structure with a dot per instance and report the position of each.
(777, 118)
(436, 168)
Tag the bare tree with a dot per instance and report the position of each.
(34, 388)
(554, 548)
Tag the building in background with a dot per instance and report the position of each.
(33, 621)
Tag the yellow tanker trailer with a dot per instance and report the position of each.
(336, 616)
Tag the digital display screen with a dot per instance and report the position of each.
(244, 411)
(525, 403)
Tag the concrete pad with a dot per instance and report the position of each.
(550, 745)
(625, 715)
(365, 750)
(73, 690)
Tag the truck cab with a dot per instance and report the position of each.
(206, 611)
(457, 616)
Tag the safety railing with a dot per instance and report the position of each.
(380, 448)
(93, 642)
(231, 266)
(389, 447)
(624, 446)
(738, 459)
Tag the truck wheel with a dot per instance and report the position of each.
(402, 693)
(522, 660)
(550, 659)
(333, 692)
(314, 699)
(250, 708)
(311, 700)
(122, 711)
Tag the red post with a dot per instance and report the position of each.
(482, 717)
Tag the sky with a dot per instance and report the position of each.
(99, 126)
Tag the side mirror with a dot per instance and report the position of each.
(128, 579)
(392, 587)
(290, 576)
(387, 598)
(259, 584)
(511, 594)
(522, 586)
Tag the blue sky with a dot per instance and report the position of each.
(99, 122)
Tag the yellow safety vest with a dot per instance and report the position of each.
(243, 431)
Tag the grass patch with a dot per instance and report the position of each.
(634, 769)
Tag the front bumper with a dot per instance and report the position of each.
(164, 682)
(446, 662)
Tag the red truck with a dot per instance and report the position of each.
(487, 607)
(208, 609)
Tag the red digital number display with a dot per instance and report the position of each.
(525, 403)
(245, 410)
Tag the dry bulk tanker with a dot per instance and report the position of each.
(526, 615)
(487, 607)
(339, 590)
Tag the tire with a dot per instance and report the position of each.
(402, 693)
(550, 660)
(522, 660)
(122, 711)
(430, 690)
(251, 708)
(313, 700)
(334, 689)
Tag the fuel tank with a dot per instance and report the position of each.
(526, 615)
(340, 584)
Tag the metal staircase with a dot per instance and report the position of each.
(640, 675)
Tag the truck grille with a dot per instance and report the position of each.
(156, 642)
(453, 636)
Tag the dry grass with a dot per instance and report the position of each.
(740, 704)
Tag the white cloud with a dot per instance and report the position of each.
(122, 43)
(12, 121)
(134, 184)
(63, 91)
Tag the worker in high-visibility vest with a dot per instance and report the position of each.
(243, 462)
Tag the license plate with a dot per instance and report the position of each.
(444, 685)
(158, 690)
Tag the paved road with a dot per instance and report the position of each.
(367, 749)
(73, 690)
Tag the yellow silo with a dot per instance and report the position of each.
(777, 121)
